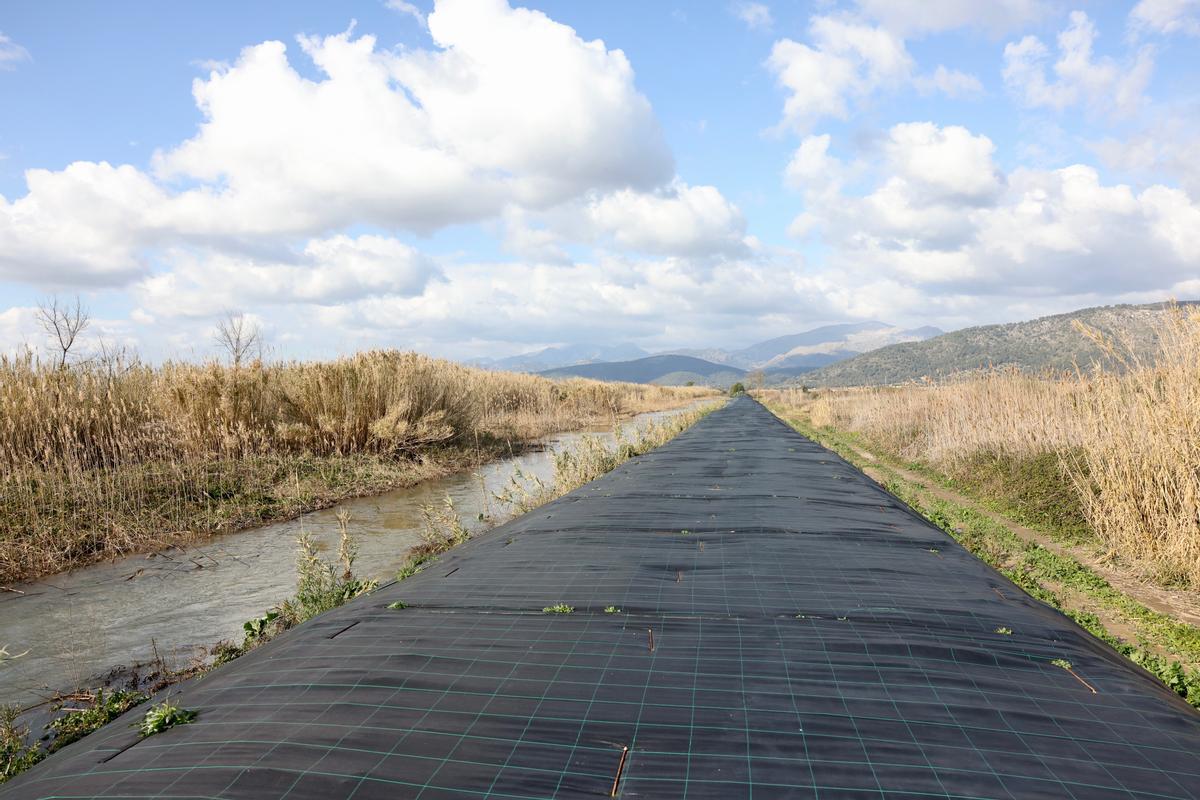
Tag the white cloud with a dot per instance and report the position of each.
(86, 224)
(846, 61)
(1101, 84)
(404, 7)
(512, 107)
(950, 82)
(328, 272)
(947, 165)
(510, 110)
(942, 221)
(755, 16)
(1166, 149)
(677, 220)
(1166, 16)
(11, 53)
(811, 164)
(915, 17)
(19, 330)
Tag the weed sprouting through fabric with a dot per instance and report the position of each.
(164, 716)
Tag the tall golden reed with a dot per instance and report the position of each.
(1126, 433)
(104, 458)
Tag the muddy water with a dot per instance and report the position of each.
(78, 625)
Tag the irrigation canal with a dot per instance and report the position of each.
(751, 617)
(77, 626)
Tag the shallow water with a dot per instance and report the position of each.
(80, 624)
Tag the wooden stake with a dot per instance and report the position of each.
(620, 769)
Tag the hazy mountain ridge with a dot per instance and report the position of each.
(812, 348)
(566, 355)
(1044, 343)
(665, 370)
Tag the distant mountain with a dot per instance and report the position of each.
(1046, 343)
(567, 355)
(664, 370)
(818, 347)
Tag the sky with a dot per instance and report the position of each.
(479, 178)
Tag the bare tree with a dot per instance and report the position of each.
(238, 336)
(63, 322)
(756, 379)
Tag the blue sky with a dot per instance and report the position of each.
(474, 178)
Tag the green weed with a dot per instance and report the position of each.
(163, 716)
(558, 608)
(17, 753)
(78, 723)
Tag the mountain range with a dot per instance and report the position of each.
(784, 354)
(665, 370)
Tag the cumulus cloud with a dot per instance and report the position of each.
(946, 165)
(86, 224)
(846, 61)
(677, 220)
(941, 219)
(1166, 17)
(510, 109)
(11, 53)
(328, 272)
(755, 16)
(1081, 78)
(662, 300)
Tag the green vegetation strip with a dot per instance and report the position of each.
(1031, 566)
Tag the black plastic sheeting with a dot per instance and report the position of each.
(787, 629)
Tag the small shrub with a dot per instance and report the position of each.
(736, 389)
(558, 608)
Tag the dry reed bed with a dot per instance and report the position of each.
(1124, 438)
(103, 459)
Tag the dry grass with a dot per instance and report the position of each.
(1122, 443)
(102, 459)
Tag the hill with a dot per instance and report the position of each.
(827, 344)
(664, 370)
(1045, 343)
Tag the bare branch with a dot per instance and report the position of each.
(239, 337)
(63, 322)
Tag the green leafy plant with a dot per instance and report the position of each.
(1062, 662)
(396, 606)
(257, 628)
(163, 716)
(611, 610)
(1004, 631)
(558, 608)
(17, 753)
(736, 389)
(77, 723)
